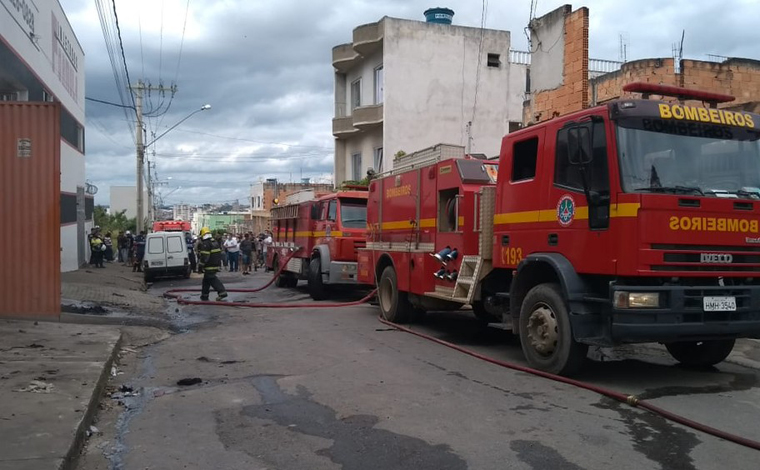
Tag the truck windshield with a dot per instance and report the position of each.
(353, 213)
(706, 160)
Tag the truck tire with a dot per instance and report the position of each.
(148, 277)
(292, 280)
(317, 289)
(546, 334)
(282, 279)
(701, 353)
(394, 304)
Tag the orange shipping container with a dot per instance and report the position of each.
(30, 181)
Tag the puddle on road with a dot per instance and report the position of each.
(658, 439)
(356, 443)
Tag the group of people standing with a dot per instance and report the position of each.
(129, 249)
(215, 254)
(244, 252)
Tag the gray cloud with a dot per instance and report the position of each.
(265, 68)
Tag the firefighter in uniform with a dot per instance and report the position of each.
(210, 261)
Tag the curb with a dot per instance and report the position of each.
(72, 456)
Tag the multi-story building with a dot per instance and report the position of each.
(404, 85)
(183, 212)
(124, 198)
(264, 193)
(42, 61)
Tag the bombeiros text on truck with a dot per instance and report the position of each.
(629, 222)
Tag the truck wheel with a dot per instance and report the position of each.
(148, 277)
(317, 289)
(394, 304)
(701, 353)
(282, 279)
(545, 332)
(293, 280)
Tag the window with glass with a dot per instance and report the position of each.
(353, 213)
(378, 160)
(332, 210)
(156, 245)
(356, 93)
(379, 85)
(688, 158)
(569, 175)
(175, 245)
(524, 158)
(356, 166)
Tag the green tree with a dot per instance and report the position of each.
(114, 222)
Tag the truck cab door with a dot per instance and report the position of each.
(579, 192)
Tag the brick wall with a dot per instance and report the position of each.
(573, 94)
(610, 86)
(737, 77)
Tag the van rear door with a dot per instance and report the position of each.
(155, 252)
(176, 251)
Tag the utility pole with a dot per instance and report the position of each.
(139, 89)
(140, 153)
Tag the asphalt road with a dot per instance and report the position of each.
(333, 388)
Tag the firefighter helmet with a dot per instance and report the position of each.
(204, 231)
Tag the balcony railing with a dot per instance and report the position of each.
(368, 116)
(343, 126)
(367, 38)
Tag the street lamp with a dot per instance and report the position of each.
(202, 108)
(141, 155)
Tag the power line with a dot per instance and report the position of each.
(255, 141)
(121, 46)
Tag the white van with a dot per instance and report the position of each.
(165, 255)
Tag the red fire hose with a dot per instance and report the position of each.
(631, 400)
(174, 294)
(628, 399)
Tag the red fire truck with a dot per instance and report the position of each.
(171, 226)
(326, 234)
(634, 221)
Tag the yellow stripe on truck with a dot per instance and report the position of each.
(628, 209)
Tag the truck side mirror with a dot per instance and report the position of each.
(579, 145)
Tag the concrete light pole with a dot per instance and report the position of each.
(141, 148)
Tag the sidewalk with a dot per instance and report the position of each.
(116, 287)
(51, 379)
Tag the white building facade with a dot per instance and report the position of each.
(183, 212)
(41, 60)
(124, 198)
(404, 85)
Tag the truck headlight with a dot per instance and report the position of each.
(623, 299)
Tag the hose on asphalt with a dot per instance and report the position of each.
(631, 400)
(175, 294)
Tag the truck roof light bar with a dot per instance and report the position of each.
(681, 93)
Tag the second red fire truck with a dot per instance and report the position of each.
(634, 221)
(326, 232)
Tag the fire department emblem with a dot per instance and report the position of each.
(565, 210)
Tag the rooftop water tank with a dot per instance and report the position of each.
(439, 15)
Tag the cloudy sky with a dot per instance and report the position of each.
(264, 66)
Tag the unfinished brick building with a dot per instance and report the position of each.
(560, 81)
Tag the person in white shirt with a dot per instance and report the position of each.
(233, 252)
